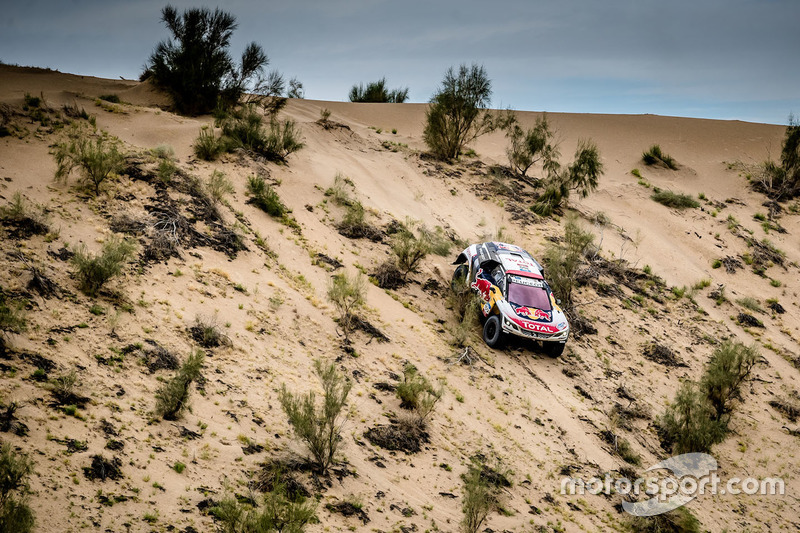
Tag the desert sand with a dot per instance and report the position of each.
(543, 416)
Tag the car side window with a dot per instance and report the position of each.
(499, 278)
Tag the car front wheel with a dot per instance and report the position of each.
(493, 332)
(553, 349)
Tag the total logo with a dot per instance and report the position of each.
(535, 326)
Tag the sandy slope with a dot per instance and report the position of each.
(523, 406)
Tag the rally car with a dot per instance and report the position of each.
(515, 297)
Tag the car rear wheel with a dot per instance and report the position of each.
(493, 332)
(459, 281)
(554, 349)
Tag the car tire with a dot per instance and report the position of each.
(493, 332)
(459, 280)
(554, 349)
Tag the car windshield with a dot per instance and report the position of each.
(528, 295)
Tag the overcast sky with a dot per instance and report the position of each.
(727, 59)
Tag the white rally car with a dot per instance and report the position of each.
(516, 298)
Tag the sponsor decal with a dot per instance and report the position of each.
(483, 286)
(532, 313)
(527, 281)
(510, 247)
(534, 326)
(561, 325)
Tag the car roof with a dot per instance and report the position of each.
(511, 257)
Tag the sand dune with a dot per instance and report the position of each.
(543, 416)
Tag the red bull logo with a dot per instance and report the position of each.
(483, 286)
(532, 313)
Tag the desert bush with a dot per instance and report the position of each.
(15, 469)
(93, 271)
(377, 92)
(482, 486)
(781, 180)
(173, 396)
(24, 214)
(532, 146)
(244, 128)
(388, 276)
(563, 259)
(295, 89)
(264, 197)
(97, 157)
(410, 250)
(580, 177)
(278, 511)
(417, 393)
(113, 98)
(194, 66)
(12, 318)
(208, 146)
(346, 293)
(437, 241)
(689, 424)
(654, 156)
(320, 427)
(748, 302)
(680, 520)
(457, 113)
(217, 187)
(207, 333)
(730, 365)
(675, 200)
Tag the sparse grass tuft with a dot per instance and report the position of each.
(93, 271)
(675, 200)
(264, 197)
(654, 156)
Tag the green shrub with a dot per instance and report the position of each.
(716, 263)
(195, 66)
(264, 197)
(410, 250)
(208, 146)
(675, 200)
(377, 92)
(97, 157)
(279, 511)
(748, 302)
(482, 489)
(339, 191)
(173, 396)
(113, 98)
(680, 520)
(244, 128)
(320, 427)
(580, 177)
(12, 317)
(15, 469)
(457, 113)
(32, 101)
(563, 259)
(93, 271)
(179, 467)
(700, 414)
(688, 424)
(218, 186)
(533, 146)
(346, 293)
(417, 393)
(654, 156)
(730, 365)
(438, 242)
